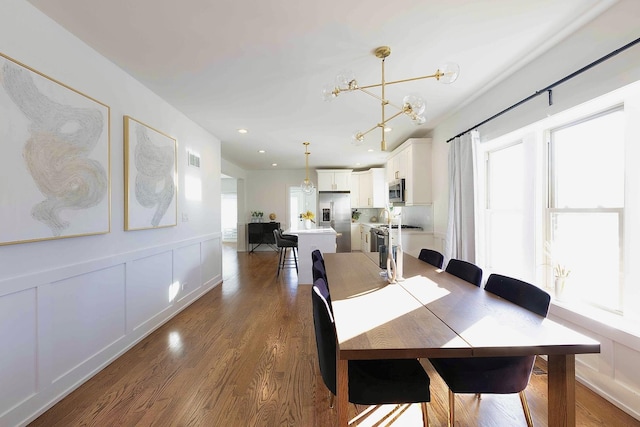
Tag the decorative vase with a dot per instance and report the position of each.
(560, 289)
(307, 224)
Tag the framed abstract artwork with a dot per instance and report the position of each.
(55, 160)
(150, 176)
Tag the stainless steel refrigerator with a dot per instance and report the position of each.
(335, 211)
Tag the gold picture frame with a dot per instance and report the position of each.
(150, 177)
(56, 154)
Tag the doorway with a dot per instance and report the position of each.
(300, 202)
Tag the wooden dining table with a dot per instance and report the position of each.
(434, 314)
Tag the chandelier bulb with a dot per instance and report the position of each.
(448, 73)
(346, 79)
(357, 138)
(330, 92)
(414, 104)
(419, 120)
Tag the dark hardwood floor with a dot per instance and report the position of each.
(244, 355)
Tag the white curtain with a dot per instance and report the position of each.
(460, 241)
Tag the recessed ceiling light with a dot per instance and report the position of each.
(261, 151)
(358, 164)
(388, 129)
(370, 150)
(274, 164)
(242, 131)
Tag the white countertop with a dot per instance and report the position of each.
(313, 230)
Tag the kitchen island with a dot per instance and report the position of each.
(323, 239)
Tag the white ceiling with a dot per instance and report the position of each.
(261, 65)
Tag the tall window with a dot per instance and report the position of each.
(504, 213)
(586, 205)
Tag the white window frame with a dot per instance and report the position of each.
(550, 209)
(537, 135)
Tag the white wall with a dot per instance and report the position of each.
(613, 373)
(68, 307)
(268, 191)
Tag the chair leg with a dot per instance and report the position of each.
(425, 414)
(295, 259)
(452, 408)
(525, 408)
(280, 253)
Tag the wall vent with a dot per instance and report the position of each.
(193, 159)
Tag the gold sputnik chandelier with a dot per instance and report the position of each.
(412, 106)
(307, 186)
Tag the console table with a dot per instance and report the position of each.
(262, 232)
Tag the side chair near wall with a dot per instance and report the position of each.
(283, 246)
(432, 257)
(496, 375)
(465, 270)
(371, 382)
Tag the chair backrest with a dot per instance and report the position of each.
(518, 292)
(276, 234)
(316, 255)
(432, 257)
(465, 270)
(318, 271)
(280, 241)
(325, 334)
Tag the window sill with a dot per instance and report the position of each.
(618, 328)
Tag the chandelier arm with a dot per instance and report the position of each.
(379, 98)
(437, 75)
(368, 131)
(391, 118)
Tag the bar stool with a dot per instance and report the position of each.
(283, 245)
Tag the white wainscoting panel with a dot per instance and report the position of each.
(212, 260)
(79, 317)
(187, 273)
(60, 327)
(149, 288)
(18, 348)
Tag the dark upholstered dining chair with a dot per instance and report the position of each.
(432, 257)
(316, 255)
(371, 382)
(465, 270)
(496, 375)
(283, 246)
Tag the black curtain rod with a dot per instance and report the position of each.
(549, 88)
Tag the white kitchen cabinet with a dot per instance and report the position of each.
(412, 161)
(365, 238)
(396, 166)
(355, 190)
(413, 241)
(356, 243)
(371, 189)
(334, 179)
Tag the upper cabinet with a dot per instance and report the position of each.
(334, 179)
(412, 162)
(368, 189)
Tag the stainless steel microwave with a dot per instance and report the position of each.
(396, 191)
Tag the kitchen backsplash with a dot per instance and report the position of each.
(421, 216)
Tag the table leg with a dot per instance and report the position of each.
(342, 392)
(562, 390)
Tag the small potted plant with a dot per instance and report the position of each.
(355, 215)
(256, 216)
(560, 271)
(307, 217)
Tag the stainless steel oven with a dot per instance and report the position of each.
(380, 243)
